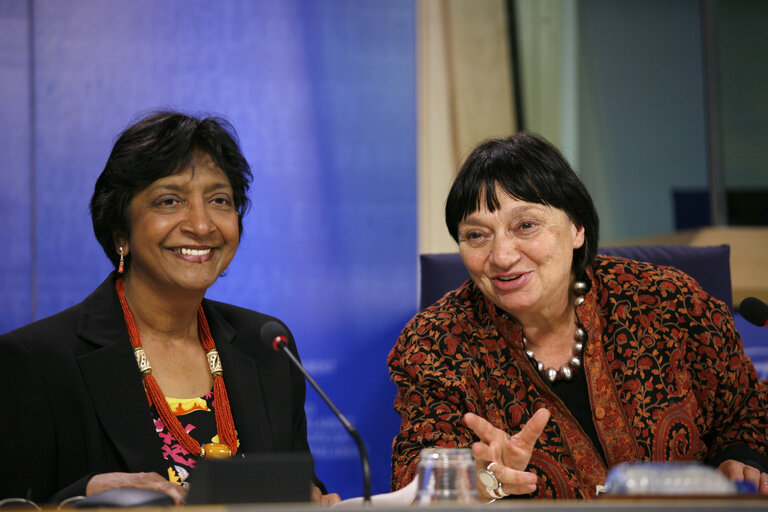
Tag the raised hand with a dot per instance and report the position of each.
(507, 455)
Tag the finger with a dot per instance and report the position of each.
(763, 488)
(532, 430)
(156, 482)
(330, 499)
(732, 469)
(478, 454)
(482, 428)
(751, 474)
(514, 481)
(484, 454)
(177, 492)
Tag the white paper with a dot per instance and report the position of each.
(402, 497)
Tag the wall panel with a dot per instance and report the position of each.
(16, 201)
(641, 116)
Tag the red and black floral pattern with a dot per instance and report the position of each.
(667, 376)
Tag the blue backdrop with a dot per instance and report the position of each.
(322, 94)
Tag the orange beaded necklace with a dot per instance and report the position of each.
(225, 425)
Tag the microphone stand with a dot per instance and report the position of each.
(344, 421)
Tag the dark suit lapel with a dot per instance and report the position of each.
(241, 377)
(114, 384)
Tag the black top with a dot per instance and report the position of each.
(74, 405)
(575, 396)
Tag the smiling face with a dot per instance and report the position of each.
(520, 255)
(183, 229)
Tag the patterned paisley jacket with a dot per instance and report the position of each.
(665, 368)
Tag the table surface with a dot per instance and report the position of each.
(687, 504)
(602, 504)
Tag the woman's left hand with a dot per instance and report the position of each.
(736, 471)
(511, 454)
(324, 499)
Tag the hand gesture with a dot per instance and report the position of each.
(507, 456)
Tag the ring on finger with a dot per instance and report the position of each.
(491, 482)
(499, 489)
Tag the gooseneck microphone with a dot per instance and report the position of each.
(754, 311)
(275, 335)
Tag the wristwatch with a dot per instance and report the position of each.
(492, 485)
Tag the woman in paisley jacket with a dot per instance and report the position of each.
(556, 364)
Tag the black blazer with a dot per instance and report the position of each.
(73, 403)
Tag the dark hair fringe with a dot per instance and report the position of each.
(528, 168)
(158, 145)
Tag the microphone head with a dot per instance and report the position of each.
(754, 311)
(274, 334)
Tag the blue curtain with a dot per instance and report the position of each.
(322, 94)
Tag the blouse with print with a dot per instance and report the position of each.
(197, 417)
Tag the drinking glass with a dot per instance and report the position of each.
(446, 474)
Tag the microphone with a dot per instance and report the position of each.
(276, 336)
(754, 311)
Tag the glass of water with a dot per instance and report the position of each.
(446, 475)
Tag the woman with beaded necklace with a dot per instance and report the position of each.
(556, 364)
(133, 386)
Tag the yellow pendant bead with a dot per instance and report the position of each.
(216, 451)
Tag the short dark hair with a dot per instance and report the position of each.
(528, 168)
(159, 145)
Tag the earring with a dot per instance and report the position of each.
(121, 267)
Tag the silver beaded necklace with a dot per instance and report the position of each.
(569, 369)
